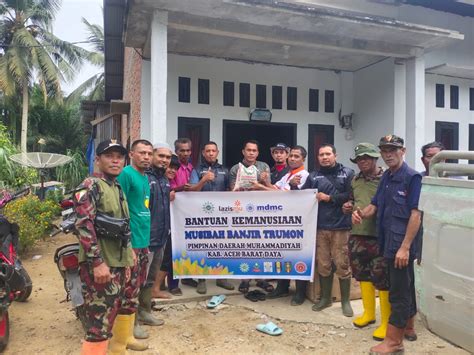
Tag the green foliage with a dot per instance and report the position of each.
(12, 175)
(55, 196)
(74, 172)
(34, 217)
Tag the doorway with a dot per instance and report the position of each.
(197, 130)
(318, 134)
(235, 133)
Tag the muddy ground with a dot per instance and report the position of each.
(46, 325)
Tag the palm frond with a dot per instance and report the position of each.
(88, 86)
(95, 35)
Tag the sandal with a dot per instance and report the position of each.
(215, 301)
(176, 291)
(251, 296)
(265, 285)
(270, 328)
(259, 295)
(244, 287)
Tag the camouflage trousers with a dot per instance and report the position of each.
(102, 301)
(137, 280)
(366, 262)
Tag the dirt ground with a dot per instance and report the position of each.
(46, 325)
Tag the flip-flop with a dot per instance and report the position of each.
(270, 328)
(259, 294)
(251, 296)
(265, 285)
(215, 301)
(244, 286)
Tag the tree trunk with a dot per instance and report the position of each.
(24, 117)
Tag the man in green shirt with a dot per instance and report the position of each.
(105, 255)
(368, 265)
(136, 187)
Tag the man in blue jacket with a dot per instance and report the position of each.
(333, 181)
(398, 226)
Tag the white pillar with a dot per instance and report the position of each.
(159, 77)
(145, 98)
(399, 91)
(415, 110)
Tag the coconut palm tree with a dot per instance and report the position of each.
(30, 52)
(95, 85)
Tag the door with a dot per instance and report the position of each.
(447, 133)
(235, 133)
(318, 134)
(197, 130)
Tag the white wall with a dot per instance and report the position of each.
(218, 70)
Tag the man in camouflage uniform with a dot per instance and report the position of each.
(105, 260)
(368, 265)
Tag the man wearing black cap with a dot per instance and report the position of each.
(280, 152)
(398, 225)
(105, 257)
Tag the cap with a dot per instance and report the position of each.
(281, 146)
(362, 149)
(174, 161)
(109, 144)
(392, 141)
(161, 145)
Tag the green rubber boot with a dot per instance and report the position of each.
(300, 294)
(345, 286)
(326, 293)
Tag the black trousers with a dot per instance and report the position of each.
(402, 293)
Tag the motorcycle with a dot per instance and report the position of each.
(15, 283)
(66, 259)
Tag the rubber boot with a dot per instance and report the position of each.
(392, 344)
(144, 309)
(120, 332)
(132, 343)
(138, 331)
(326, 293)
(367, 291)
(94, 348)
(201, 287)
(410, 334)
(345, 286)
(281, 290)
(300, 294)
(385, 310)
(225, 284)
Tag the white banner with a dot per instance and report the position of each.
(244, 235)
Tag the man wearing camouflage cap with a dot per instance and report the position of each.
(368, 266)
(398, 226)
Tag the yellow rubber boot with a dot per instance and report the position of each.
(120, 332)
(367, 290)
(132, 342)
(385, 310)
(94, 348)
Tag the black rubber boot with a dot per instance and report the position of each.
(345, 285)
(300, 294)
(281, 290)
(326, 293)
(144, 299)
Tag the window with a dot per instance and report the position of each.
(314, 100)
(439, 95)
(203, 91)
(228, 93)
(277, 97)
(471, 99)
(184, 89)
(448, 134)
(244, 94)
(291, 98)
(329, 101)
(261, 93)
(454, 96)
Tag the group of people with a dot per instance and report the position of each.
(368, 228)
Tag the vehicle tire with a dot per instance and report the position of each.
(4, 330)
(25, 294)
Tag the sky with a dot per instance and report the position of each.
(69, 27)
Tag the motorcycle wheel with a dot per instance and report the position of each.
(4, 330)
(25, 294)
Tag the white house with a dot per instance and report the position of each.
(341, 71)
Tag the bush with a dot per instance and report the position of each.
(34, 217)
(55, 195)
(74, 172)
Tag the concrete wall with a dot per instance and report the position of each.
(218, 70)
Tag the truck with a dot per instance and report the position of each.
(445, 273)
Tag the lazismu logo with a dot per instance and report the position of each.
(237, 207)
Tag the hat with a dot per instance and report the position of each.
(280, 146)
(174, 161)
(362, 149)
(161, 145)
(109, 144)
(392, 141)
